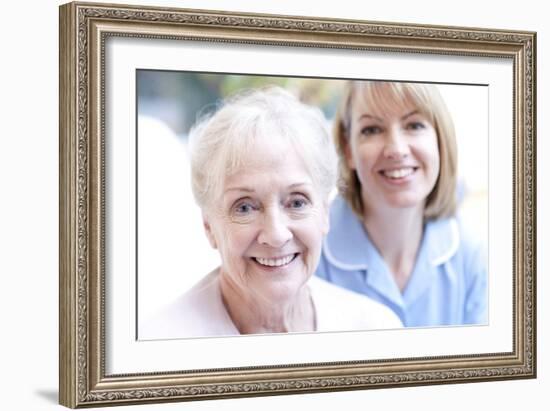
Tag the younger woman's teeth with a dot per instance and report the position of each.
(275, 262)
(398, 173)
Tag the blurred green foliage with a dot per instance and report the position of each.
(177, 98)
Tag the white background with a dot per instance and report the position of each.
(28, 210)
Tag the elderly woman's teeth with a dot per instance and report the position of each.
(399, 173)
(275, 262)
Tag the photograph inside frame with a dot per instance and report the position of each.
(295, 205)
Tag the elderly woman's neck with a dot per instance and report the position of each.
(397, 234)
(254, 315)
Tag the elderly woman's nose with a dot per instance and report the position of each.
(274, 230)
(396, 145)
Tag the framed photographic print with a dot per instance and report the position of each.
(212, 244)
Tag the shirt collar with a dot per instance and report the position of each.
(348, 247)
(439, 244)
(442, 240)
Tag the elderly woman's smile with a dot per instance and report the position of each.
(275, 262)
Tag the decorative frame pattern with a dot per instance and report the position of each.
(83, 30)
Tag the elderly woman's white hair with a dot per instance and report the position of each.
(220, 141)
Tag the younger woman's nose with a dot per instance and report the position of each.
(396, 146)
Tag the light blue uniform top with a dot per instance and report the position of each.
(448, 285)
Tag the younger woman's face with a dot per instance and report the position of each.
(394, 152)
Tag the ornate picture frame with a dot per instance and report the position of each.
(85, 270)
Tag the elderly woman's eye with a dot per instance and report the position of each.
(298, 203)
(243, 208)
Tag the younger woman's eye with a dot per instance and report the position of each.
(370, 130)
(416, 125)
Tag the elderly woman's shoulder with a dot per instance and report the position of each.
(339, 309)
(197, 313)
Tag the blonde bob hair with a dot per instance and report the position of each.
(221, 142)
(379, 95)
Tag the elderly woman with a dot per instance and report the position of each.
(262, 168)
(394, 235)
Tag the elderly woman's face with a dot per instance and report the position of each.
(395, 154)
(268, 224)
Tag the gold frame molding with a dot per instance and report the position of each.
(84, 27)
